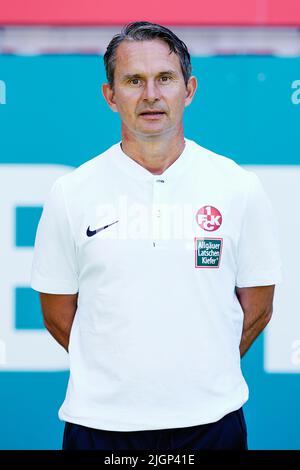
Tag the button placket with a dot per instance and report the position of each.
(157, 212)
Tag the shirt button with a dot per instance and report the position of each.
(160, 181)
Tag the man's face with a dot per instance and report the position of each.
(149, 89)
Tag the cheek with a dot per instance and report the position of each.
(177, 103)
(175, 96)
(126, 104)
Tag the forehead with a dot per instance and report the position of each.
(145, 57)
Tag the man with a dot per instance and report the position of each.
(156, 262)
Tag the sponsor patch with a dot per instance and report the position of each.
(209, 218)
(208, 252)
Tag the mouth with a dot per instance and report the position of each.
(152, 114)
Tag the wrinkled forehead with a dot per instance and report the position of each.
(145, 57)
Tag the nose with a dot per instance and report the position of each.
(151, 91)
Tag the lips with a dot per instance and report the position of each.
(151, 113)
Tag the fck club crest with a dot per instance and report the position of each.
(209, 218)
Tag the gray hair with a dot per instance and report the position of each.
(145, 31)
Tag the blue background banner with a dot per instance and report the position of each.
(246, 108)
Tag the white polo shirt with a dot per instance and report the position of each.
(155, 260)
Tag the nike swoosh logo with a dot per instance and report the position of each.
(91, 233)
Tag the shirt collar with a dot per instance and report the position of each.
(134, 169)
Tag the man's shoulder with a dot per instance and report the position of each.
(216, 158)
(94, 167)
(219, 161)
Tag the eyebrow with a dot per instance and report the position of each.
(129, 76)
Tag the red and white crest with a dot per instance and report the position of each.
(209, 218)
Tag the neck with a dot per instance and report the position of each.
(154, 154)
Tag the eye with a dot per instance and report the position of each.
(135, 81)
(165, 78)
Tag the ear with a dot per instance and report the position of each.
(108, 94)
(190, 90)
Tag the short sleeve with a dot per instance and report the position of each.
(54, 268)
(258, 258)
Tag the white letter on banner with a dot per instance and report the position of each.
(281, 183)
(23, 185)
(2, 92)
(296, 94)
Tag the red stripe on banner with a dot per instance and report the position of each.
(194, 12)
(287, 12)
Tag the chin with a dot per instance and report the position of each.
(153, 131)
(150, 134)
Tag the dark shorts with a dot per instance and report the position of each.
(230, 432)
